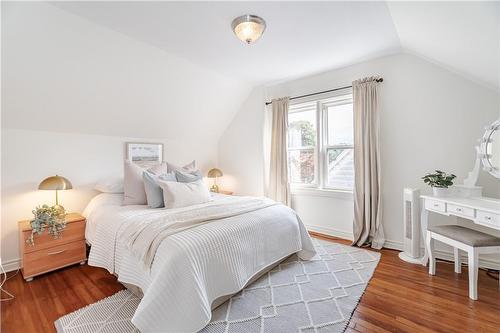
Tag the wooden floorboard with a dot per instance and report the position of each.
(401, 297)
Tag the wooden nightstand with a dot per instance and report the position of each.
(48, 254)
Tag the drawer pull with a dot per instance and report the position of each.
(54, 253)
(436, 205)
(487, 217)
(459, 209)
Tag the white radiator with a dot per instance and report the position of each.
(411, 223)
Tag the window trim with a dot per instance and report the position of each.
(320, 150)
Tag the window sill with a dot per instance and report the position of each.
(316, 192)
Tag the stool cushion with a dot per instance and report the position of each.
(465, 235)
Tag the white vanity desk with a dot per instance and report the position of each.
(480, 210)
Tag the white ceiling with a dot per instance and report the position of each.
(461, 36)
(301, 37)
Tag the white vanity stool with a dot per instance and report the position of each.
(461, 238)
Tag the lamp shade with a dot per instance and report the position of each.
(55, 183)
(214, 173)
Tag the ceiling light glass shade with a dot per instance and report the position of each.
(248, 28)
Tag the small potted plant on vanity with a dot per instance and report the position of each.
(440, 182)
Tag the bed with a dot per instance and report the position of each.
(190, 271)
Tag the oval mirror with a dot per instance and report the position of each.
(490, 149)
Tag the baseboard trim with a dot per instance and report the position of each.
(11, 265)
(326, 231)
(393, 245)
(398, 246)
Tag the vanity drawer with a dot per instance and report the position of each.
(460, 210)
(438, 206)
(488, 218)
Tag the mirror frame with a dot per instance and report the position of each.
(485, 158)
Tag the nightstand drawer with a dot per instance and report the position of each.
(74, 231)
(48, 259)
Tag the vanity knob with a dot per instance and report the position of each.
(487, 218)
(459, 209)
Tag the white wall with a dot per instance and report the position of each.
(430, 118)
(324, 212)
(240, 148)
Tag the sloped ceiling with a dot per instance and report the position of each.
(461, 36)
(63, 73)
(303, 38)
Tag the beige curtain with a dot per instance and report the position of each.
(275, 135)
(368, 228)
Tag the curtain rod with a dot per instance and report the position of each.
(324, 91)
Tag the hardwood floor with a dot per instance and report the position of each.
(401, 297)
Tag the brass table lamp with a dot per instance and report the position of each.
(214, 173)
(55, 183)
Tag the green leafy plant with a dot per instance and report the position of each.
(439, 179)
(50, 218)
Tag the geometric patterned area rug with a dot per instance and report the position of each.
(315, 296)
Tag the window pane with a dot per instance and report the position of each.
(340, 125)
(302, 129)
(340, 168)
(301, 164)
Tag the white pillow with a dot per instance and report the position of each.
(111, 185)
(133, 185)
(176, 195)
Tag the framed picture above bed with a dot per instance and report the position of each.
(144, 153)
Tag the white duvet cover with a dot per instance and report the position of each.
(194, 267)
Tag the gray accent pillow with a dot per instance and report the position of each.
(154, 193)
(188, 177)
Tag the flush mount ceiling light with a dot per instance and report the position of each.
(248, 28)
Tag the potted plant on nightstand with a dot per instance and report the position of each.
(50, 218)
(440, 182)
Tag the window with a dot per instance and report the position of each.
(302, 144)
(321, 142)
